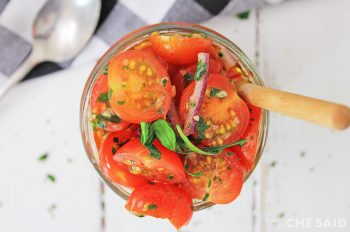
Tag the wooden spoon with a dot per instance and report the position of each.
(320, 112)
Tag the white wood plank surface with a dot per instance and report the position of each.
(302, 46)
(42, 116)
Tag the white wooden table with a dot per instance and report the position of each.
(299, 46)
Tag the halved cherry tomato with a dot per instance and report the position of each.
(247, 153)
(225, 114)
(147, 47)
(161, 201)
(118, 172)
(103, 109)
(235, 73)
(141, 87)
(179, 49)
(167, 169)
(217, 179)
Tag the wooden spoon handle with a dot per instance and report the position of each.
(324, 113)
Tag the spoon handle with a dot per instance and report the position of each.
(323, 113)
(20, 73)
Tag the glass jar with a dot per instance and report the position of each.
(126, 43)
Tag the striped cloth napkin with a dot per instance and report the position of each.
(117, 19)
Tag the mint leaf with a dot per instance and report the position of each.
(147, 133)
(165, 134)
(105, 97)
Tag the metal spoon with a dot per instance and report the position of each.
(61, 29)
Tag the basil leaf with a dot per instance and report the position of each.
(105, 97)
(165, 134)
(147, 133)
(154, 152)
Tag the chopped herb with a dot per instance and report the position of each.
(200, 71)
(192, 104)
(188, 77)
(100, 123)
(243, 15)
(201, 127)
(114, 150)
(116, 140)
(165, 134)
(105, 70)
(215, 177)
(121, 103)
(105, 97)
(281, 215)
(220, 180)
(220, 54)
(154, 152)
(229, 153)
(125, 67)
(209, 183)
(160, 111)
(205, 196)
(170, 177)
(43, 157)
(214, 91)
(273, 164)
(51, 178)
(113, 118)
(141, 216)
(197, 174)
(147, 133)
(164, 81)
(152, 207)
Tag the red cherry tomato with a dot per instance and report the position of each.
(167, 169)
(161, 201)
(179, 49)
(247, 153)
(217, 179)
(141, 87)
(118, 172)
(225, 115)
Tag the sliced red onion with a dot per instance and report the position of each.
(173, 116)
(196, 99)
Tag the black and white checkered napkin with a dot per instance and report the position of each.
(117, 19)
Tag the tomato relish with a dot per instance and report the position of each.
(169, 125)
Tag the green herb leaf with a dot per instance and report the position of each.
(114, 150)
(209, 183)
(147, 133)
(113, 118)
(201, 127)
(220, 54)
(165, 134)
(105, 97)
(243, 15)
(154, 152)
(51, 178)
(164, 81)
(43, 157)
(170, 177)
(214, 91)
(200, 71)
(152, 207)
(188, 77)
(121, 103)
(105, 70)
(100, 123)
(205, 196)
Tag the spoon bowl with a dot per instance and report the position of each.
(60, 31)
